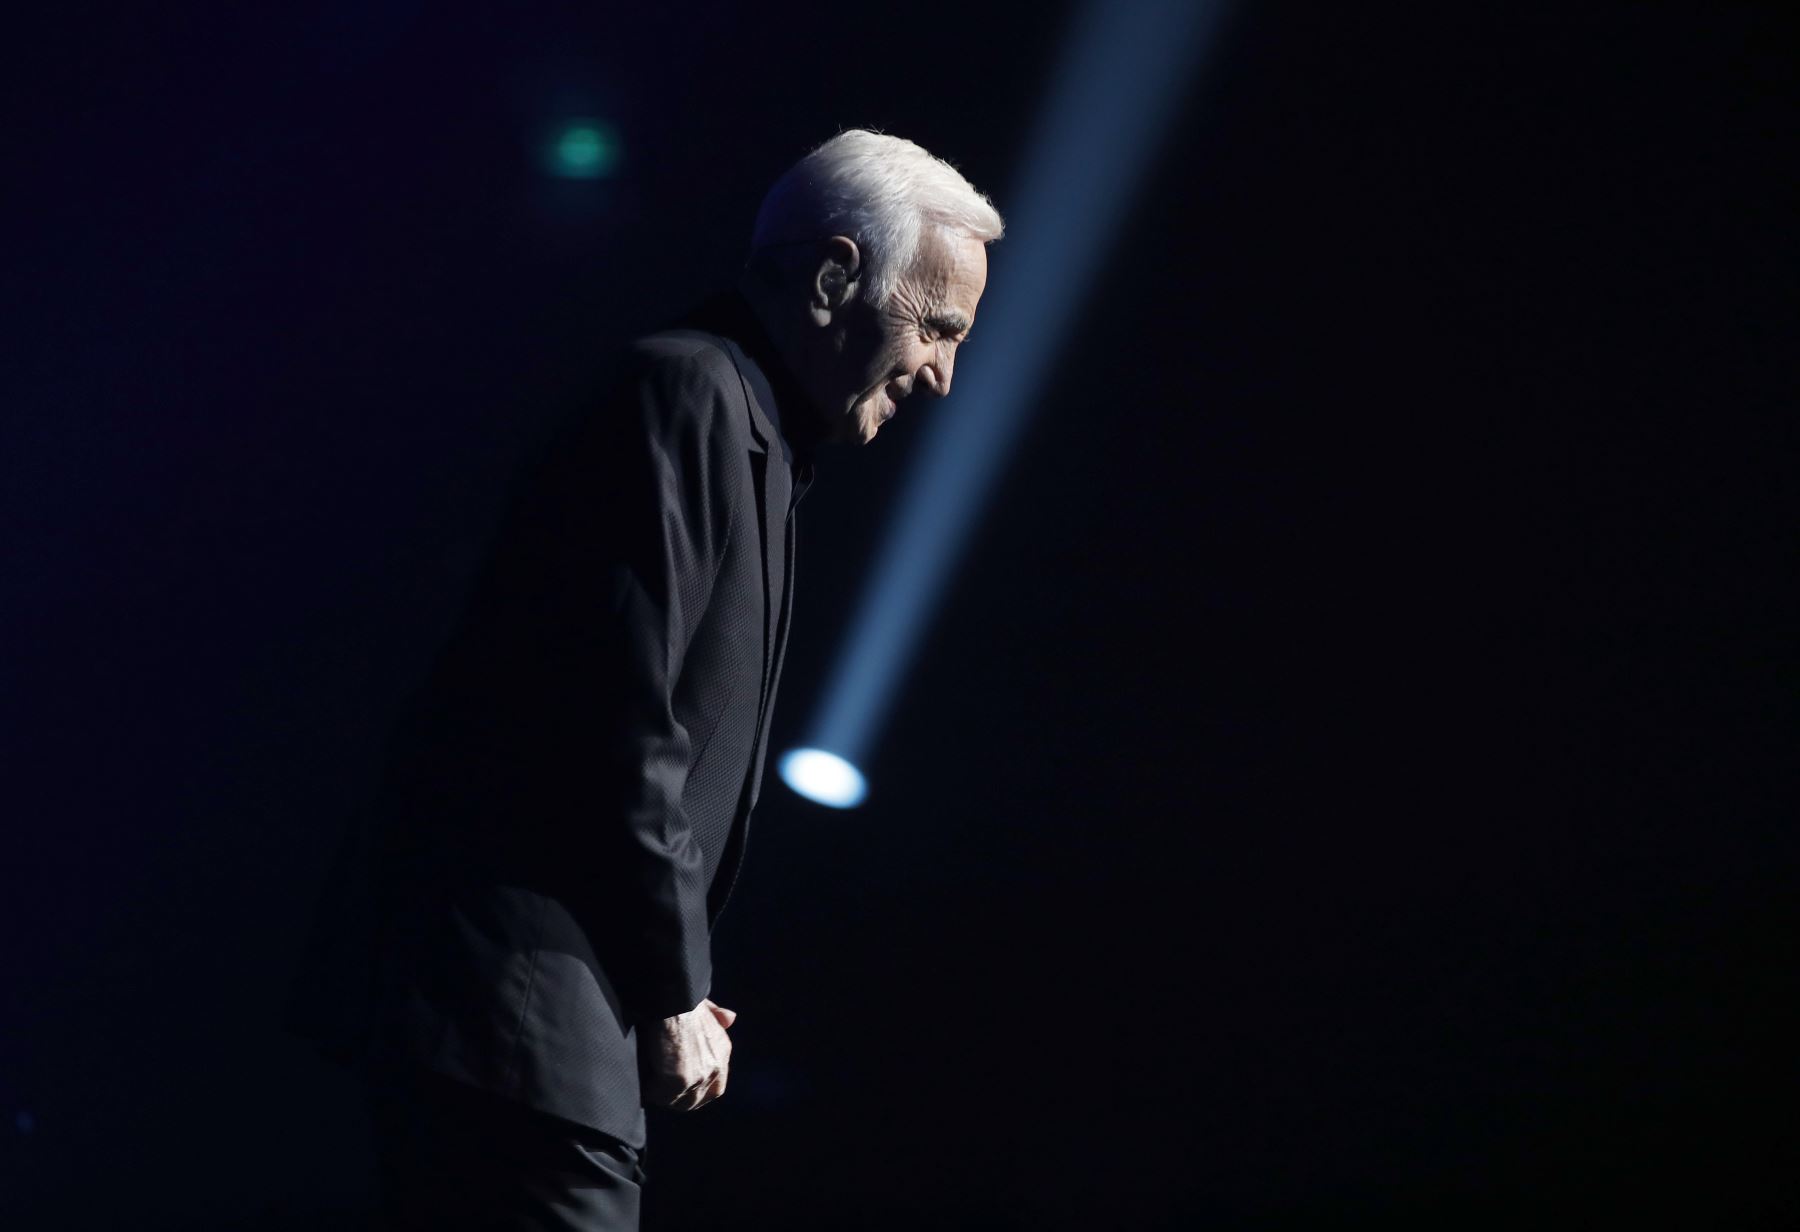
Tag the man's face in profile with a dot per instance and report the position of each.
(911, 340)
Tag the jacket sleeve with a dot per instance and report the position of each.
(669, 479)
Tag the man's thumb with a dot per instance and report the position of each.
(726, 1017)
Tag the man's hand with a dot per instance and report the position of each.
(682, 1061)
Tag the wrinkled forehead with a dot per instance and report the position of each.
(952, 270)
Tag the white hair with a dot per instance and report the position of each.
(881, 191)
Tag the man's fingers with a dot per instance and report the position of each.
(688, 1096)
(712, 1085)
(713, 1090)
(697, 1051)
(701, 1093)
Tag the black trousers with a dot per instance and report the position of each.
(452, 1156)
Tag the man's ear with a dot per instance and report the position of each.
(834, 278)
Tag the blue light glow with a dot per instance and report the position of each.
(824, 778)
(1124, 68)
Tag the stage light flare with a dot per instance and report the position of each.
(824, 778)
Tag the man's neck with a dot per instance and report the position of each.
(758, 294)
(782, 330)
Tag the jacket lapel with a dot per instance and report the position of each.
(786, 604)
(774, 489)
(804, 482)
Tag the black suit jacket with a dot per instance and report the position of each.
(565, 801)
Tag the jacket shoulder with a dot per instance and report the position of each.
(687, 375)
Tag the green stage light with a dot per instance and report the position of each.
(583, 150)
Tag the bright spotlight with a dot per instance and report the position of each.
(1125, 66)
(824, 778)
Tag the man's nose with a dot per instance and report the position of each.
(938, 372)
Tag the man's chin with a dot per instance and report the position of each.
(864, 427)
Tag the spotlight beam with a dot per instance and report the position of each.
(1124, 65)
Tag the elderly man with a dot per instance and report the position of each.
(515, 949)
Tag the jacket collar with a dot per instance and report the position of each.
(780, 409)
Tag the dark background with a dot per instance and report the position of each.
(1344, 785)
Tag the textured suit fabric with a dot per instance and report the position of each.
(566, 800)
(453, 1158)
